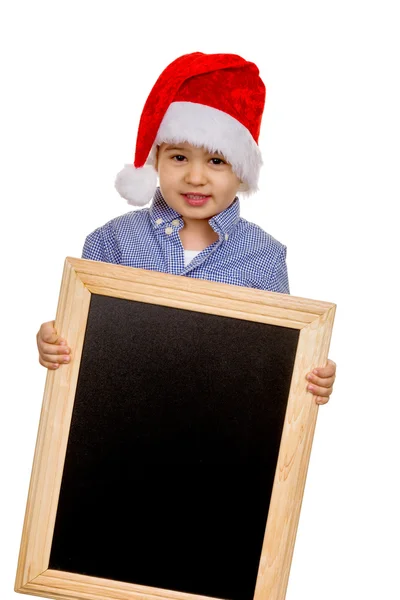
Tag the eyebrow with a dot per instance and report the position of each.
(181, 148)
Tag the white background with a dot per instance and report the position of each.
(74, 78)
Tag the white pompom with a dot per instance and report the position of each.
(137, 186)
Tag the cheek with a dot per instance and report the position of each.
(231, 184)
(168, 170)
(165, 176)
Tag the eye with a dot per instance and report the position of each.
(178, 157)
(218, 161)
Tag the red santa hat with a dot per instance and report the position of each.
(213, 101)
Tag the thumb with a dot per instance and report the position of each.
(49, 334)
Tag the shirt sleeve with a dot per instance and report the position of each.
(102, 245)
(279, 279)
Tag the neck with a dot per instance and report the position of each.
(197, 234)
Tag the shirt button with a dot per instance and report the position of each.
(175, 222)
(168, 230)
(159, 221)
(226, 237)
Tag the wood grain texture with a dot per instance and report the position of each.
(81, 278)
(199, 295)
(293, 460)
(53, 433)
(71, 585)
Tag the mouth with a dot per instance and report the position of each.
(196, 199)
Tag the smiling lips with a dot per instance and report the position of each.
(196, 199)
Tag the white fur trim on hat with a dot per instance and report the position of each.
(215, 130)
(137, 185)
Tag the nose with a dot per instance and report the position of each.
(195, 173)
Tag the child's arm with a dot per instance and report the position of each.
(53, 350)
(321, 382)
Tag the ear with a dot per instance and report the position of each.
(243, 187)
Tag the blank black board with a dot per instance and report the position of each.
(172, 449)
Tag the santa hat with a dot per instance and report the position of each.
(213, 101)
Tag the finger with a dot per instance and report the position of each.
(55, 358)
(319, 391)
(53, 349)
(48, 365)
(47, 333)
(321, 400)
(328, 371)
(326, 382)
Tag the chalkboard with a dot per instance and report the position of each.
(177, 399)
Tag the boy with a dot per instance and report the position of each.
(199, 132)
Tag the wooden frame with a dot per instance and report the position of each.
(81, 278)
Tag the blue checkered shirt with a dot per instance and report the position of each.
(149, 238)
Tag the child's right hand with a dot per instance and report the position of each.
(53, 350)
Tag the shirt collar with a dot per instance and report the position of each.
(224, 222)
(160, 212)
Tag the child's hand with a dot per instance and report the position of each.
(321, 382)
(53, 350)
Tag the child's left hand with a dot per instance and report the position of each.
(321, 382)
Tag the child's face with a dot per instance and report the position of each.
(194, 182)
